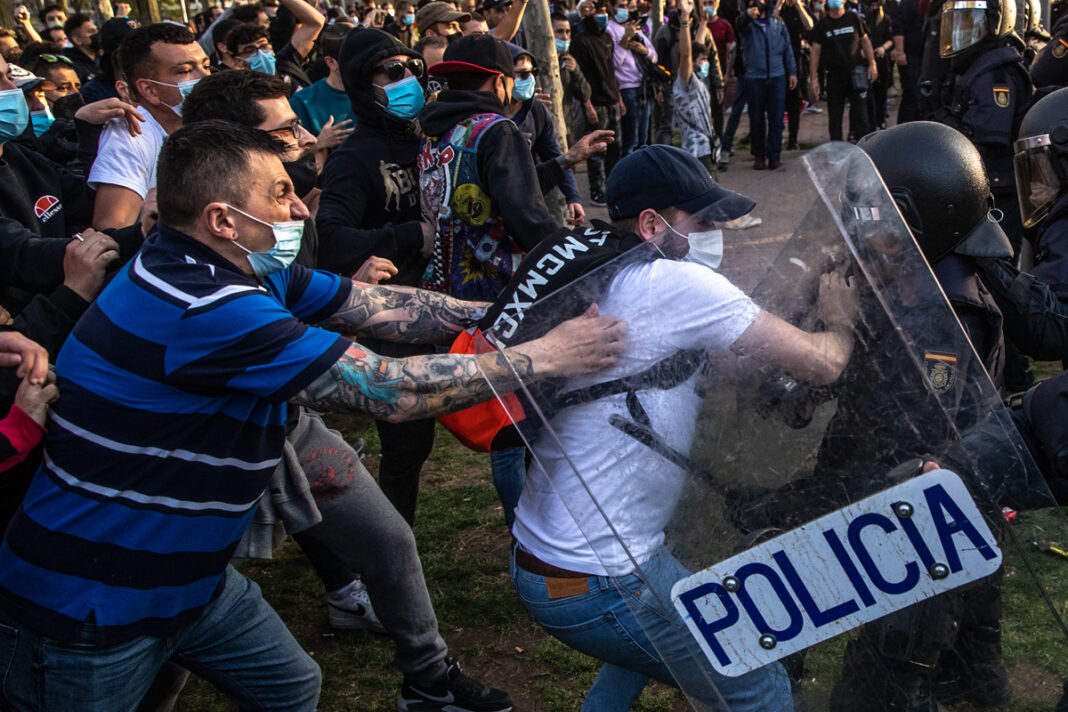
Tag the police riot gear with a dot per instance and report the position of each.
(967, 24)
(1041, 157)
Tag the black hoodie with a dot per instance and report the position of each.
(505, 165)
(370, 199)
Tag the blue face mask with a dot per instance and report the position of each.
(263, 61)
(287, 236)
(405, 98)
(41, 120)
(14, 114)
(622, 15)
(601, 19)
(184, 88)
(561, 45)
(524, 89)
(710, 12)
(702, 70)
(409, 19)
(836, 4)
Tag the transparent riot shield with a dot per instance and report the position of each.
(798, 491)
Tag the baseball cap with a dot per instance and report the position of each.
(661, 177)
(24, 79)
(495, 4)
(437, 12)
(114, 30)
(476, 53)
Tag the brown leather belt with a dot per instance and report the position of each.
(528, 562)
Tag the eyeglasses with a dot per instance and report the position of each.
(293, 130)
(394, 69)
(52, 59)
(525, 73)
(250, 50)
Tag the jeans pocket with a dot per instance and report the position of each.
(9, 639)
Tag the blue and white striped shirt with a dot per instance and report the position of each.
(171, 420)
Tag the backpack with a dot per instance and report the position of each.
(596, 253)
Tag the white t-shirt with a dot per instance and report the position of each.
(129, 161)
(668, 306)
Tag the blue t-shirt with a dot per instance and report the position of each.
(314, 105)
(172, 420)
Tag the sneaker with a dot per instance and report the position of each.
(746, 221)
(453, 692)
(774, 163)
(722, 166)
(812, 109)
(597, 198)
(350, 609)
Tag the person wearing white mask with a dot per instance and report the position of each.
(161, 64)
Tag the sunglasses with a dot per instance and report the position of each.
(394, 69)
(293, 130)
(52, 59)
(525, 73)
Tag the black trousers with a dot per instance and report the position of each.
(840, 88)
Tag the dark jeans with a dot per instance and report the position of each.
(878, 93)
(767, 102)
(838, 90)
(909, 106)
(732, 122)
(717, 114)
(636, 119)
(793, 111)
(599, 165)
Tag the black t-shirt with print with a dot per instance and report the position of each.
(839, 39)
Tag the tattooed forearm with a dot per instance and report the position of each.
(403, 314)
(414, 387)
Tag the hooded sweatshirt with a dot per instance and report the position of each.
(505, 164)
(370, 199)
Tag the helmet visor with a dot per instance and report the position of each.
(963, 26)
(1038, 181)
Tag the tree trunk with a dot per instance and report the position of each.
(539, 33)
(103, 11)
(656, 9)
(147, 11)
(7, 14)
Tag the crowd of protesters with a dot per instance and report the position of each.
(371, 169)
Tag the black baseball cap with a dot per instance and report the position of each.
(495, 4)
(476, 53)
(661, 177)
(114, 31)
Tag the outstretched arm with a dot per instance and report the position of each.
(406, 314)
(428, 386)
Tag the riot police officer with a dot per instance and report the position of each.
(987, 90)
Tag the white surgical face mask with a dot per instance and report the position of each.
(706, 248)
(287, 237)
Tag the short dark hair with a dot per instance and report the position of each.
(698, 49)
(32, 51)
(136, 48)
(467, 81)
(431, 41)
(557, 17)
(232, 96)
(332, 37)
(51, 7)
(221, 29)
(243, 34)
(247, 13)
(46, 35)
(206, 162)
(75, 21)
(477, 17)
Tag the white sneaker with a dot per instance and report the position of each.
(350, 609)
(812, 109)
(746, 221)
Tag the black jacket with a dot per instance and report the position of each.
(370, 199)
(592, 49)
(505, 165)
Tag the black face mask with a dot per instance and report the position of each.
(304, 174)
(454, 36)
(94, 42)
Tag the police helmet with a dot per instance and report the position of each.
(937, 180)
(1041, 157)
(968, 23)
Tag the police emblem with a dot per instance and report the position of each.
(941, 370)
(1001, 96)
(1060, 49)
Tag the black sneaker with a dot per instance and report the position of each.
(597, 198)
(453, 692)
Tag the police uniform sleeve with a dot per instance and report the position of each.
(1036, 317)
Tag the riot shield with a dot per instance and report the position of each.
(799, 496)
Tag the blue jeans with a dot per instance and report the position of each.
(732, 122)
(620, 622)
(239, 644)
(767, 102)
(636, 120)
(509, 471)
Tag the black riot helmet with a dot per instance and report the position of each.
(967, 24)
(937, 180)
(1041, 157)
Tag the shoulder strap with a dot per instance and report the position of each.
(662, 375)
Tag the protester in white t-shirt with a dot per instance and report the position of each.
(160, 63)
(576, 577)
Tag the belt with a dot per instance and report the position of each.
(528, 562)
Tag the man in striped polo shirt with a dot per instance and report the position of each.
(172, 419)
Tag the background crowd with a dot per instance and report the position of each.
(367, 105)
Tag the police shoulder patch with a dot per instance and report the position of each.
(1060, 48)
(941, 370)
(1002, 95)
